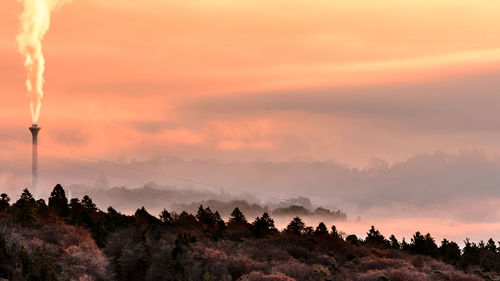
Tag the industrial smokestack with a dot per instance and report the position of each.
(34, 168)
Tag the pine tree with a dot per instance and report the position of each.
(237, 218)
(263, 226)
(296, 226)
(374, 238)
(24, 209)
(58, 203)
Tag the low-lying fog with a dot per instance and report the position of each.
(449, 195)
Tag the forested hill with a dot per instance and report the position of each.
(74, 240)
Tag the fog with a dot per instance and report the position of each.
(453, 195)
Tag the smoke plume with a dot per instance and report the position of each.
(35, 22)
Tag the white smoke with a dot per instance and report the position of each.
(35, 22)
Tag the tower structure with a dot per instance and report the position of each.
(34, 129)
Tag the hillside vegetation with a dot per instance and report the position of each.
(61, 240)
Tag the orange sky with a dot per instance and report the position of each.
(275, 80)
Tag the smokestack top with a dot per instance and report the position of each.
(34, 129)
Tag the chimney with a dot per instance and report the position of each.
(34, 168)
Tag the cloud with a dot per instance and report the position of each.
(440, 106)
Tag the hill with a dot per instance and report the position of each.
(75, 240)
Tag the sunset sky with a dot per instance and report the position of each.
(274, 80)
(237, 81)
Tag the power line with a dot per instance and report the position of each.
(123, 166)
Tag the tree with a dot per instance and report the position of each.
(431, 248)
(185, 220)
(24, 209)
(166, 217)
(417, 245)
(374, 238)
(237, 218)
(143, 219)
(58, 203)
(42, 209)
(449, 251)
(491, 246)
(76, 212)
(41, 267)
(206, 216)
(263, 226)
(88, 204)
(424, 245)
(394, 242)
(4, 202)
(296, 226)
(335, 234)
(353, 239)
(405, 246)
(321, 230)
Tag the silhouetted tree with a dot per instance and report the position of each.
(4, 202)
(335, 234)
(321, 230)
(88, 204)
(449, 251)
(353, 239)
(296, 226)
(405, 246)
(263, 226)
(375, 239)
(206, 216)
(25, 208)
(42, 210)
(76, 212)
(166, 217)
(219, 222)
(491, 246)
(394, 242)
(143, 219)
(424, 245)
(58, 203)
(237, 218)
(185, 220)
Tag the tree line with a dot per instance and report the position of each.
(104, 227)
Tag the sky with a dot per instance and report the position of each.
(360, 85)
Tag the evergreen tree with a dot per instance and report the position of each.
(58, 203)
(296, 226)
(449, 251)
(417, 244)
(263, 226)
(374, 238)
(24, 209)
(237, 218)
(394, 242)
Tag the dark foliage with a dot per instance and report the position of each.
(203, 247)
